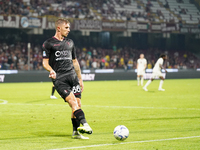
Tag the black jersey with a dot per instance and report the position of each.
(60, 54)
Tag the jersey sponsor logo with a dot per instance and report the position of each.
(44, 53)
(63, 55)
(62, 58)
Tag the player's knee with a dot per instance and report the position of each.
(74, 104)
(70, 98)
(79, 105)
(78, 101)
(162, 78)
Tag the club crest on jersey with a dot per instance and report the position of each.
(69, 44)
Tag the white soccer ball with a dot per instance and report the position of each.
(121, 133)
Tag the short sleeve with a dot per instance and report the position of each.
(46, 49)
(73, 52)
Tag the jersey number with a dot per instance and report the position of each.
(76, 89)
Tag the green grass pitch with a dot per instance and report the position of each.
(170, 120)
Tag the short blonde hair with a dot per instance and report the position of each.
(61, 21)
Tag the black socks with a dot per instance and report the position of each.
(75, 123)
(53, 90)
(79, 114)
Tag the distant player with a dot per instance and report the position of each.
(52, 93)
(157, 72)
(141, 66)
(59, 58)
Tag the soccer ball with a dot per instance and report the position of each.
(121, 133)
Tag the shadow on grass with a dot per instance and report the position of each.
(51, 134)
(150, 91)
(40, 134)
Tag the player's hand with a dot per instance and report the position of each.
(166, 71)
(52, 74)
(81, 84)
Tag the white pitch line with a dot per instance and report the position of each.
(134, 142)
(138, 107)
(131, 107)
(4, 101)
(36, 104)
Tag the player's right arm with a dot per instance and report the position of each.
(46, 65)
(45, 62)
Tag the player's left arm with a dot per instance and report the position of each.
(78, 72)
(137, 64)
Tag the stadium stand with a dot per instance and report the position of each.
(140, 10)
(184, 10)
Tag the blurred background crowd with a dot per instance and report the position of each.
(15, 56)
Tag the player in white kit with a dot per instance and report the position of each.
(141, 66)
(157, 72)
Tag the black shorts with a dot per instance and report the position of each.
(65, 84)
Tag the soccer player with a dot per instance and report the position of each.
(52, 93)
(59, 58)
(157, 72)
(141, 66)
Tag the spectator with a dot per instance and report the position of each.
(130, 64)
(95, 64)
(15, 56)
(83, 64)
(166, 5)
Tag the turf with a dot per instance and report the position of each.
(156, 120)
